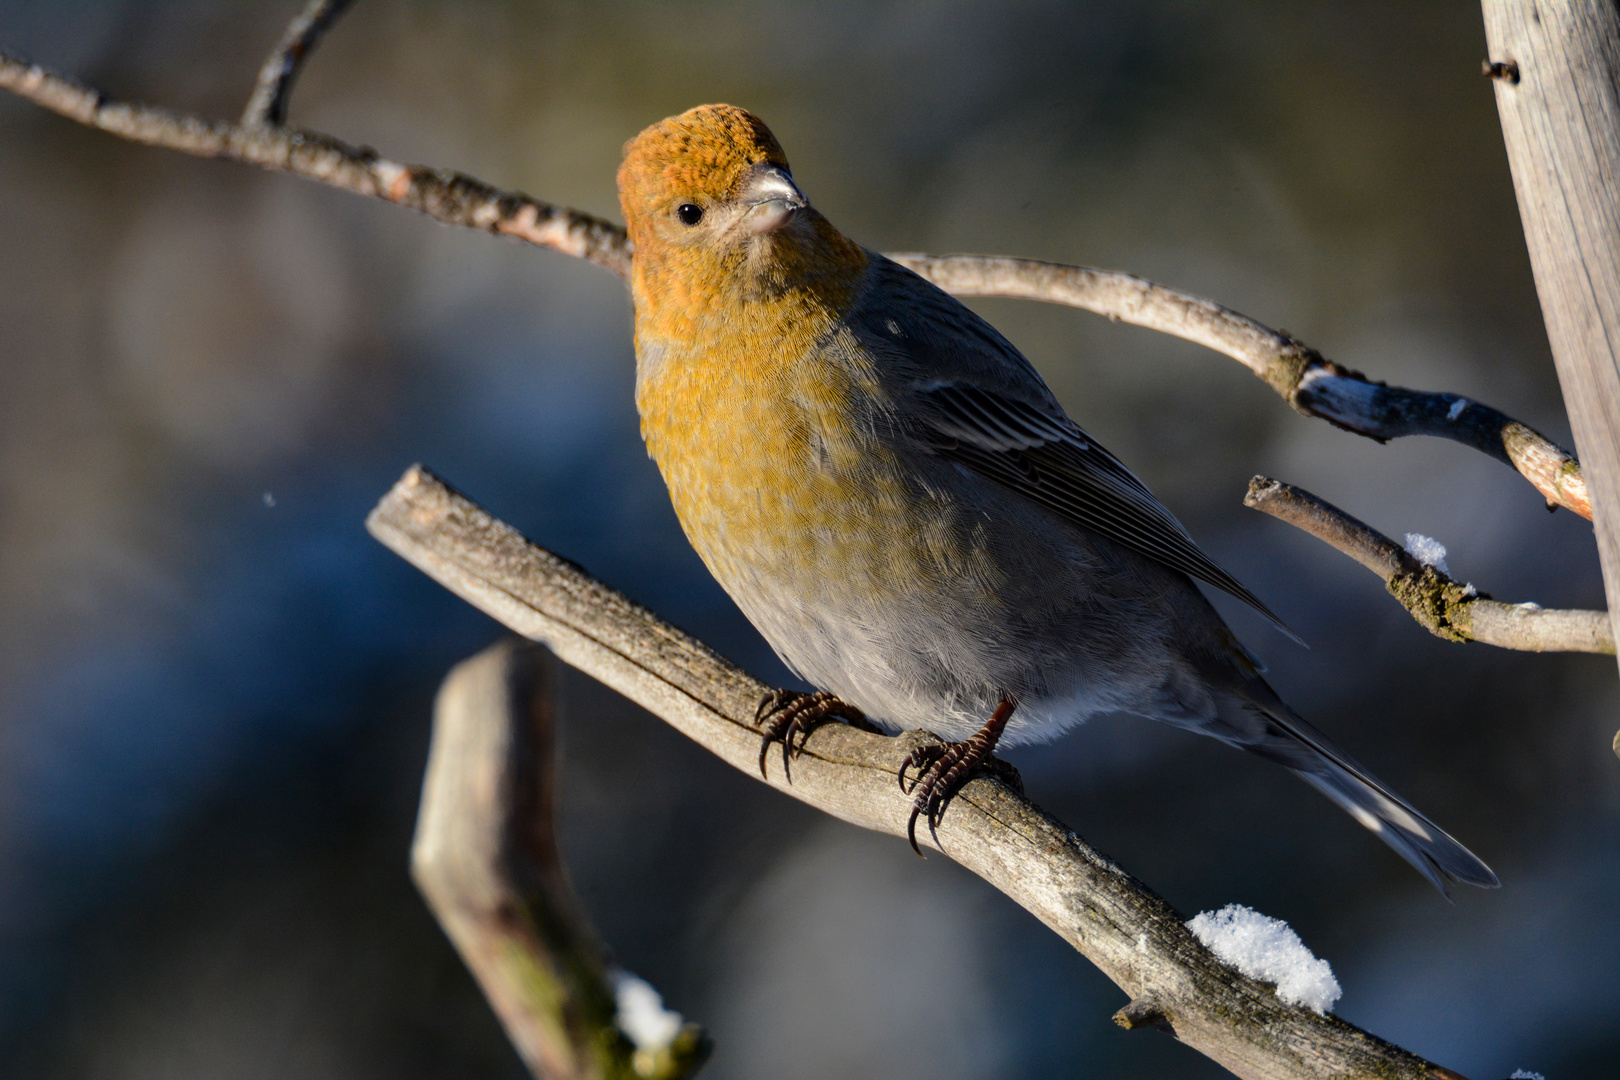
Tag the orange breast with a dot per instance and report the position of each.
(771, 474)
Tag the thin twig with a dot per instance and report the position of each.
(1311, 384)
(485, 858)
(267, 107)
(448, 197)
(1445, 606)
(1119, 924)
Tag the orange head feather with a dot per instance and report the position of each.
(717, 221)
(704, 154)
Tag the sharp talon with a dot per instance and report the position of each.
(911, 831)
(784, 714)
(787, 748)
(947, 768)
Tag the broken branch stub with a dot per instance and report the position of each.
(485, 858)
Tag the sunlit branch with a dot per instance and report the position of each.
(1115, 921)
(1311, 384)
(1446, 607)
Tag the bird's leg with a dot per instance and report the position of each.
(785, 713)
(945, 767)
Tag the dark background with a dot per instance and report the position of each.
(214, 687)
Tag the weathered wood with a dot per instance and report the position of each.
(1115, 921)
(1558, 94)
(485, 858)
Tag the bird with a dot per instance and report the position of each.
(895, 499)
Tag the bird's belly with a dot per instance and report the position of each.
(912, 589)
(917, 607)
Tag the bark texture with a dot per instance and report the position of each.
(1115, 921)
(1558, 93)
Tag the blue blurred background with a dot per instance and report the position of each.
(214, 687)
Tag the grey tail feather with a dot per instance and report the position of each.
(1414, 837)
(1438, 857)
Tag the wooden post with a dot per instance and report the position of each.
(1557, 73)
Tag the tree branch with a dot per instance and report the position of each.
(485, 858)
(1446, 607)
(1114, 920)
(447, 197)
(267, 107)
(1311, 384)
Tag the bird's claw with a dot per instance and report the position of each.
(786, 713)
(941, 769)
(945, 767)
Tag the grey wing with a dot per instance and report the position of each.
(1047, 458)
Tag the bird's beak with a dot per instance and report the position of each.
(772, 199)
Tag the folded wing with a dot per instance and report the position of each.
(1048, 459)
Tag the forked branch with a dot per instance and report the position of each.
(1311, 384)
(1115, 921)
(447, 197)
(1446, 607)
(268, 105)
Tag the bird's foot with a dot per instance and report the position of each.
(786, 713)
(942, 768)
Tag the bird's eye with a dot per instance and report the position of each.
(689, 213)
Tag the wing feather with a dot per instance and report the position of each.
(1047, 458)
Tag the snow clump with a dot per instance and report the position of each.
(1268, 949)
(641, 1014)
(1427, 550)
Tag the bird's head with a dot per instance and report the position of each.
(709, 199)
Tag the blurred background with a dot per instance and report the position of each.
(215, 687)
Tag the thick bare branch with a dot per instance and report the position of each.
(1446, 607)
(1313, 385)
(1560, 115)
(1111, 918)
(448, 197)
(485, 857)
(268, 104)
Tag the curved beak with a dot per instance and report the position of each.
(772, 199)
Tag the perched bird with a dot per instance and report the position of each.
(895, 499)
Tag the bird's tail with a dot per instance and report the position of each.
(1289, 740)
(1419, 841)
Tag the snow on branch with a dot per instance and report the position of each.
(1269, 950)
(1416, 576)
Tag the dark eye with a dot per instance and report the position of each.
(689, 213)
